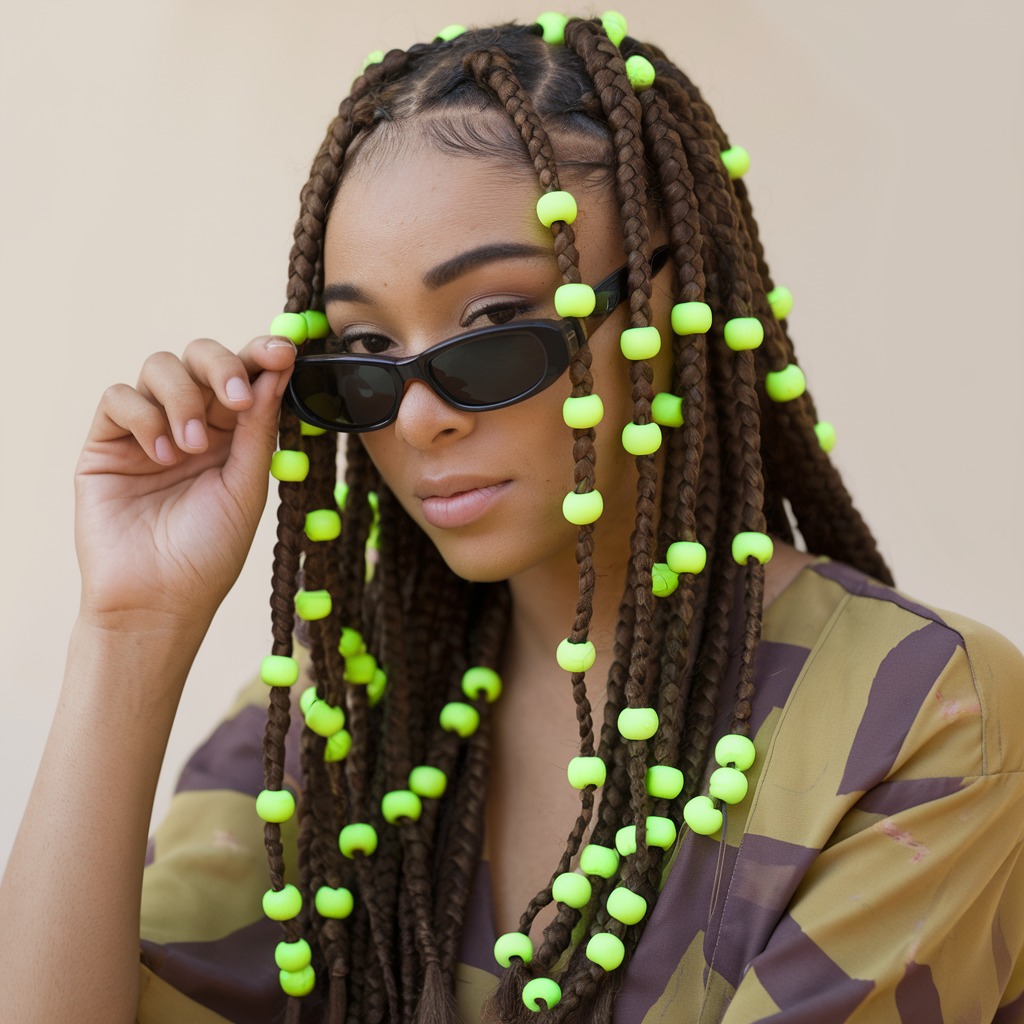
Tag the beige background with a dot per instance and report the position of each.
(153, 153)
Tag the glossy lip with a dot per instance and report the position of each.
(456, 501)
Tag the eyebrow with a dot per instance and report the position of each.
(449, 270)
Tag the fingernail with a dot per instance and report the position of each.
(195, 435)
(280, 343)
(237, 389)
(164, 449)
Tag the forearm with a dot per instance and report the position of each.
(69, 901)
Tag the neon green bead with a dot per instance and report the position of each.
(341, 495)
(735, 750)
(554, 27)
(541, 990)
(583, 509)
(661, 832)
(686, 556)
(336, 904)
(640, 72)
(752, 545)
(602, 861)
(450, 32)
(275, 805)
(293, 956)
(786, 384)
(298, 983)
(826, 434)
(743, 333)
(351, 643)
(554, 206)
(702, 816)
(614, 25)
(575, 657)
(279, 670)
(626, 906)
(324, 719)
(575, 300)
(307, 699)
(357, 838)
(606, 950)
(640, 343)
(427, 781)
(583, 412)
(667, 409)
(728, 785)
(641, 438)
(316, 322)
(736, 160)
(691, 318)
(586, 771)
(638, 723)
(572, 889)
(480, 681)
(376, 686)
(338, 746)
(625, 840)
(663, 580)
(663, 781)
(463, 719)
(289, 466)
(513, 945)
(312, 604)
(373, 57)
(401, 803)
(323, 524)
(308, 430)
(359, 669)
(373, 500)
(781, 301)
(282, 904)
(292, 326)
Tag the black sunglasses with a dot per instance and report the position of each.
(484, 369)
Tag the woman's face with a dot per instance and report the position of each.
(432, 245)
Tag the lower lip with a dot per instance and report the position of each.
(463, 508)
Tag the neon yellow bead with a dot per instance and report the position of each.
(289, 466)
(583, 509)
(316, 322)
(663, 781)
(359, 669)
(279, 670)
(373, 57)
(728, 785)
(583, 412)
(781, 301)
(376, 686)
(572, 889)
(640, 343)
(275, 805)
(626, 906)
(667, 409)
(663, 580)
(638, 723)
(307, 699)
(686, 556)
(606, 950)
(554, 27)
(661, 832)
(480, 681)
(292, 326)
(601, 861)
(298, 983)
(513, 945)
(586, 771)
(575, 300)
(575, 657)
(324, 719)
(293, 956)
(743, 333)
(400, 803)
(554, 206)
(786, 384)
(308, 430)
(282, 904)
(640, 72)
(450, 32)
(338, 746)
(691, 318)
(614, 25)
(357, 838)
(351, 643)
(541, 990)
(463, 719)
(341, 495)
(427, 781)
(702, 816)
(336, 904)
(311, 605)
(735, 750)
(826, 434)
(736, 160)
(323, 524)
(641, 438)
(752, 545)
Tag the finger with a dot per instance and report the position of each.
(166, 382)
(123, 412)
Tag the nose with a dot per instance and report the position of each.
(425, 419)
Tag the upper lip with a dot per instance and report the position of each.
(446, 486)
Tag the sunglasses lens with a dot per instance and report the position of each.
(348, 395)
(491, 370)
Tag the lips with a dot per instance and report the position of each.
(459, 501)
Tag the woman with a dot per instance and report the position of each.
(561, 195)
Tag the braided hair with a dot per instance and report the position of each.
(392, 662)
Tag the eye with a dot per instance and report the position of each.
(363, 344)
(498, 313)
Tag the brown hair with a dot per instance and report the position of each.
(728, 469)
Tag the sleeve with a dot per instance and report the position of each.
(912, 910)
